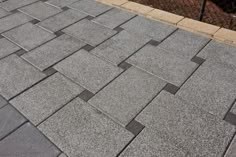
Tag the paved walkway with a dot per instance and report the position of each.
(82, 79)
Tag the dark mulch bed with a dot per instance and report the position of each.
(217, 12)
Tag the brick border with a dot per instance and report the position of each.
(208, 30)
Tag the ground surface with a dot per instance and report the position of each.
(79, 78)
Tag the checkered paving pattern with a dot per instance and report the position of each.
(80, 78)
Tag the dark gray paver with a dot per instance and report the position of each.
(11, 21)
(3, 13)
(186, 126)
(3, 101)
(120, 47)
(90, 7)
(45, 98)
(27, 141)
(184, 44)
(10, 119)
(126, 96)
(148, 144)
(231, 152)
(10, 5)
(61, 3)
(163, 64)
(16, 75)
(40, 10)
(87, 70)
(7, 48)
(156, 30)
(53, 51)
(28, 36)
(113, 18)
(89, 32)
(62, 20)
(80, 130)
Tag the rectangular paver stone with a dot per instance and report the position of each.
(3, 13)
(126, 96)
(186, 126)
(156, 30)
(184, 44)
(45, 98)
(136, 7)
(80, 130)
(53, 51)
(10, 5)
(89, 32)
(163, 64)
(113, 18)
(61, 3)
(16, 75)
(148, 144)
(7, 47)
(27, 141)
(28, 36)
(88, 70)
(40, 10)
(90, 7)
(10, 119)
(62, 20)
(120, 47)
(11, 21)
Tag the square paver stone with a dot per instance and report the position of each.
(10, 119)
(3, 12)
(10, 5)
(113, 18)
(14, 20)
(78, 129)
(53, 51)
(62, 20)
(88, 70)
(184, 44)
(16, 75)
(40, 10)
(219, 51)
(90, 7)
(89, 32)
(45, 98)
(126, 96)
(186, 126)
(28, 36)
(7, 47)
(231, 152)
(156, 30)
(163, 64)
(148, 144)
(120, 47)
(61, 3)
(27, 141)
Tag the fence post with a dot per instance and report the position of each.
(203, 5)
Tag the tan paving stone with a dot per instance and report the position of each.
(142, 9)
(113, 2)
(226, 35)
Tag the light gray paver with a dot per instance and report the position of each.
(156, 30)
(90, 7)
(27, 141)
(233, 110)
(53, 51)
(89, 32)
(16, 75)
(113, 18)
(28, 36)
(186, 126)
(87, 70)
(80, 130)
(3, 13)
(10, 5)
(7, 48)
(40, 10)
(126, 96)
(45, 98)
(184, 44)
(62, 20)
(231, 152)
(147, 144)
(10, 119)
(3, 101)
(11, 21)
(163, 64)
(120, 47)
(61, 3)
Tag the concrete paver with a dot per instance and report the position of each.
(7, 48)
(10, 5)
(61, 3)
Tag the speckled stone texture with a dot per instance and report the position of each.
(231, 151)
(10, 5)
(7, 48)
